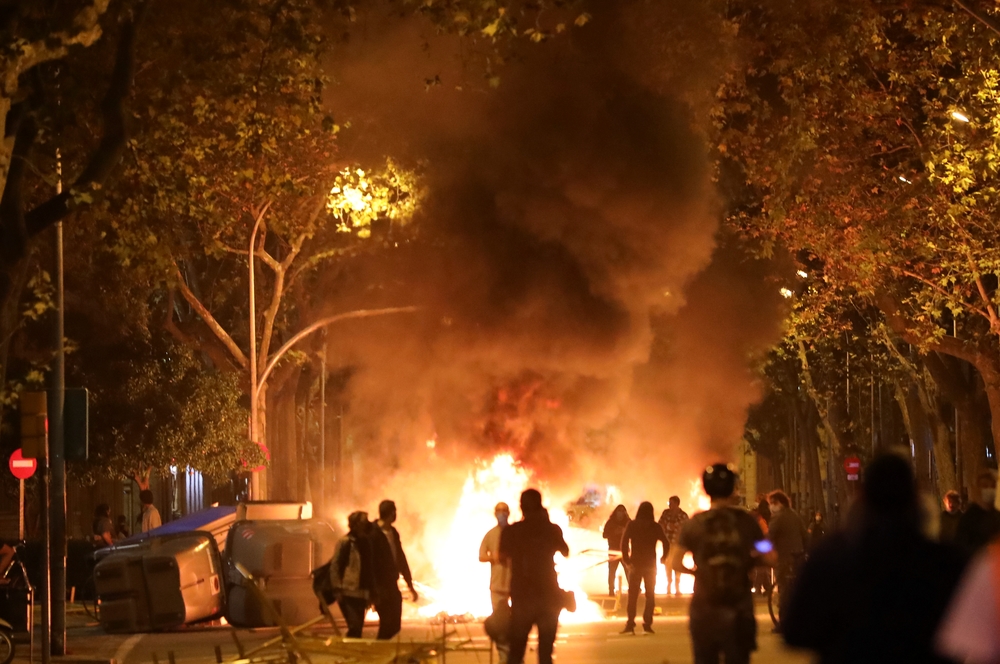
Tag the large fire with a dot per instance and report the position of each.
(463, 588)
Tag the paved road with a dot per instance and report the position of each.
(577, 644)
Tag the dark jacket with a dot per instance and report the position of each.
(398, 555)
(875, 593)
(385, 574)
(949, 526)
(530, 545)
(816, 532)
(976, 528)
(788, 534)
(614, 530)
(640, 538)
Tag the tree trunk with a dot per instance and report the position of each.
(10, 318)
(811, 443)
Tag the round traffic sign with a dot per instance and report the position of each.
(20, 467)
(852, 464)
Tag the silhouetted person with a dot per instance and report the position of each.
(981, 521)
(150, 515)
(672, 520)
(489, 552)
(725, 543)
(788, 535)
(352, 573)
(535, 597)
(761, 575)
(121, 528)
(763, 509)
(816, 530)
(951, 515)
(390, 563)
(639, 555)
(614, 530)
(103, 527)
(876, 591)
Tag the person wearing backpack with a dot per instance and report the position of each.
(726, 543)
(351, 573)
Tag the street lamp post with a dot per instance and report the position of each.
(255, 488)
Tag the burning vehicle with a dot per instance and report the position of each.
(593, 507)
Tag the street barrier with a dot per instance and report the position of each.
(280, 555)
(161, 583)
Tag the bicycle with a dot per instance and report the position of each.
(14, 581)
(774, 592)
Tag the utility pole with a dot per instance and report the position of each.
(56, 500)
(57, 461)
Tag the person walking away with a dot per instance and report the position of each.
(981, 521)
(529, 547)
(816, 530)
(951, 515)
(761, 575)
(390, 564)
(103, 527)
(875, 591)
(150, 515)
(489, 552)
(351, 573)
(639, 556)
(614, 530)
(672, 520)
(788, 537)
(726, 543)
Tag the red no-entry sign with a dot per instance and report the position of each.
(852, 465)
(20, 467)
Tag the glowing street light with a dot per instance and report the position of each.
(786, 293)
(902, 179)
(802, 273)
(961, 117)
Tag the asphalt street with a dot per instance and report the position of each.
(587, 643)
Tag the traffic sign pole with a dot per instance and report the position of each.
(22, 469)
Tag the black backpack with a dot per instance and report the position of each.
(722, 574)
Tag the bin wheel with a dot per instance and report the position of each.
(6, 647)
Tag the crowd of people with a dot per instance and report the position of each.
(887, 586)
(106, 532)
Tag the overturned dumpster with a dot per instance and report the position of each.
(279, 556)
(160, 583)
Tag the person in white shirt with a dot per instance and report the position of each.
(150, 515)
(489, 552)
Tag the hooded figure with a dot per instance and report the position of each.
(351, 573)
(614, 530)
(639, 555)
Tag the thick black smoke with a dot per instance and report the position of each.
(560, 262)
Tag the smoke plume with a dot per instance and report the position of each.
(575, 307)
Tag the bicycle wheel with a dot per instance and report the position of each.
(6, 647)
(774, 604)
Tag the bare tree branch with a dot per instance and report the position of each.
(114, 138)
(979, 16)
(210, 320)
